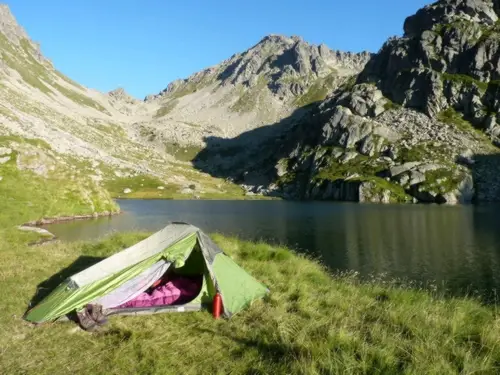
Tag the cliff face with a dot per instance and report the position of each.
(419, 123)
(448, 57)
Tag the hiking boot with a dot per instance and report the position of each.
(96, 314)
(86, 321)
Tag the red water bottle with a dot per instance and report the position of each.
(217, 306)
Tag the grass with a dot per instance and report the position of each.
(251, 97)
(443, 180)
(311, 323)
(460, 25)
(142, 186)
(4, 111)
(452, 117)
(379, 186)
(390, 105)
(38, 75)
(318, 90)
(367, 171)
(182, 152)
(166, 109)
(146, 187)
(190, 87)
(490, 32)
(469, 81)
(39, 143)
(464, 79)
(113, 130)
(361, 165)
(31, 75)
(79, 98)
(419, 152)
(26, 196)
(69, 80)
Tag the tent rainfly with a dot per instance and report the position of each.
(134, 281)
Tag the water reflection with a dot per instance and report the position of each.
(455, 246)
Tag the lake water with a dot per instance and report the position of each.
(458, 247)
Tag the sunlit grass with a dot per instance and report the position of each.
(311, 323)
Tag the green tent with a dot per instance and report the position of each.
(180, 248)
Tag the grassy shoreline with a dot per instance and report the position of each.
(311, 323)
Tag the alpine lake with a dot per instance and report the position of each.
(455, 249)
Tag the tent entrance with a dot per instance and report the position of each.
(185, 286)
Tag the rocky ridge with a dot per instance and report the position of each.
(256, 88)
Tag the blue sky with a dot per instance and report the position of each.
(142, 45)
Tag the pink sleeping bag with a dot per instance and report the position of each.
(179, 290)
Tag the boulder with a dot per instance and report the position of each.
(365, 100)
(348, 156)
(4, 159)
(463, 194)
(416, 177)
(466, 158)
(424, 196)
(281, 168)
(403, 179)
(398, 169)
(40, 231)
(370, 145)
(127, 191)
(331, 129)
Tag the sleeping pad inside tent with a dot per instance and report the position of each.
(178, 268)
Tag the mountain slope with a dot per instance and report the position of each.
(113, 142)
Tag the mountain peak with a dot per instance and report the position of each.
(278, 55)
(280, 38)
(120, 94)
(9, 26)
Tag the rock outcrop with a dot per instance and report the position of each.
(409, 128)
(448, 57)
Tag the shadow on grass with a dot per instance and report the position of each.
(251, 157)
(273, 353)
(46, 287)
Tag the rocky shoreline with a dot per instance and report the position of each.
(45, 221)
(47, 236)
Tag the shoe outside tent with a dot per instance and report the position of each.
(121, 284)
